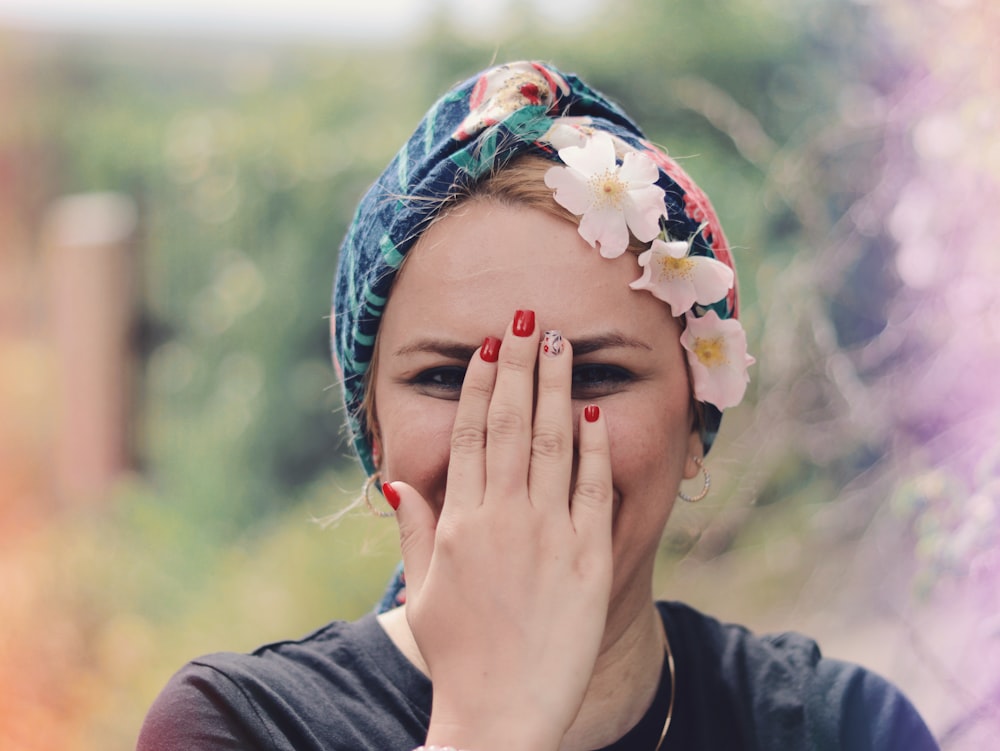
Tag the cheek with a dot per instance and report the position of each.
(416, 442)
(648, 446)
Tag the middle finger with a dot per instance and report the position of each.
(508, 422)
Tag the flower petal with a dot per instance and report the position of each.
(643, 209)
(606, 227)
(571, 189)
(638, 169)
(596, 156)
(612, 199)
(712, 279)
(680, 279)
(717, 355)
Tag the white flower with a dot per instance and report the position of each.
(612, 199)
(682, 280)
(717, 354)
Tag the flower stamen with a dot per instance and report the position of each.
(613, 200)
(711, 352)
(677, 268)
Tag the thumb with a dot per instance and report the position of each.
(416, 532)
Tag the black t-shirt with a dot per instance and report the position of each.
(347, 686)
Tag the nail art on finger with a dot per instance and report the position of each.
(552, 343)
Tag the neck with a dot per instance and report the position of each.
(625, 679)
(624, 682)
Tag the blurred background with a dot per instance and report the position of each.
(175, 179)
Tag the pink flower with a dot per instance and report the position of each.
(699, 208)
(612, 199)
(717, 354)
(682, 280)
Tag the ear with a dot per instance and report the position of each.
(695, 451)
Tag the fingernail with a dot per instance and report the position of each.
(490, 350)
(390, 495)
(590, 413)
(524, 323)
(552, 343)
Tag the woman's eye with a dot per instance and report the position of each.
(595, 380)
(446, 380)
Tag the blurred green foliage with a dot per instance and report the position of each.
(248, 162)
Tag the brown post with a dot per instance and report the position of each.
(89, 246)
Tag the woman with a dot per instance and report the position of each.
(535, 326)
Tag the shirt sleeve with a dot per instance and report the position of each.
(201, 709)
(867, 713)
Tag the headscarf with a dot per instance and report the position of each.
(505, 112)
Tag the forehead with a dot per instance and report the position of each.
(475, 266)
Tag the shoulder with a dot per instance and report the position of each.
(868, 711)
(787, 694)
(313, 692)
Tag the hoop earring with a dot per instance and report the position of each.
(366, 492)
(704, 490)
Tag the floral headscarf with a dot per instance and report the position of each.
(604, 170)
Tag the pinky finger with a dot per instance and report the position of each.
(592, 495)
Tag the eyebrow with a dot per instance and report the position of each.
(453, 350)
(610, 340)
(464, 352)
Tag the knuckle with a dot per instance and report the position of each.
(477, 387)
(446, 543)
(594, 449)
(518, 365)
(408, 539)
(593, 490)
(504, 422)
(549, 443)
(468, 437)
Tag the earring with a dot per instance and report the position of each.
(366, 492)
(704, 490)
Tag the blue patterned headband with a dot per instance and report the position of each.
(507, 112)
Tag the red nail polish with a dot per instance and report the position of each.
(490, 350)
(591, 412)
(390, 495)
(524, 323)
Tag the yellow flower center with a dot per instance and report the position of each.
(608, 189)
(672, 268)
(710, 352)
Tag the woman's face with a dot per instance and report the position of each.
(463, 281)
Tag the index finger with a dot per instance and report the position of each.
(467, 461)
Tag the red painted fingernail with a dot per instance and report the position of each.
(490, 350)
(591, 412)
(524, 323)
(390, 495)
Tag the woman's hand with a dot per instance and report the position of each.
(507, 593)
